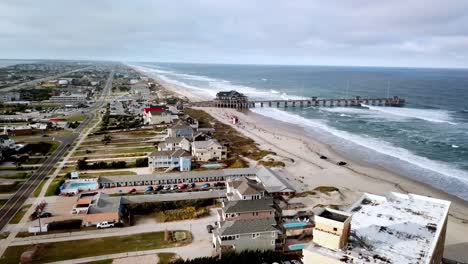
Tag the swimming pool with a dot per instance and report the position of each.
(82, 185)
(297, 246)
(295, 224)
(212, 166)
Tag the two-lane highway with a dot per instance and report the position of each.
(17, 200)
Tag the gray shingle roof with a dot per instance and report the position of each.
(105, 204)
(172, 153)
(248, 206)
(247, 226)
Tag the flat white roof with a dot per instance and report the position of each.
(400, 228)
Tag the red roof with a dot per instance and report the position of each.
(55, 119)
(154, 109)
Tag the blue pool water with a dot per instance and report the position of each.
(297, 246)
(83, 185)
(212, 166)
(292, 225)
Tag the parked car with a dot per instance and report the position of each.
(167, 187)
(174, 187)
(219, 184)
(149, 188)
(182, 186)
(193, 185)
(206, 185)
(45, 214)
(105, 224)
(209, 228)
(159, 188)
(132, 190)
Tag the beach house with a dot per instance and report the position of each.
(156, 116)
(249, 234)
(246, 209)
(173, 143)
(208, 150)
(180, 129)
(170, 159)
(244, 189)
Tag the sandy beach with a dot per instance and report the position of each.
(305, 170)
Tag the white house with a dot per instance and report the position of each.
(208, 150)
(156, 116)
(173, 143)
(170, 159)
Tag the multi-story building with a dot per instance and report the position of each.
(208, 150)
(244, 189)
(170, 159)
(180, 129)
(396, 228)
(73, 99)
(156, 116)
(10, 96)
(231, 99)
(252, 234)
(246, 209)
(173, 143)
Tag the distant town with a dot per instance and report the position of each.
(101, 162)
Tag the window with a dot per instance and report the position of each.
(272, 242)
(255, 235)
(335, 229)
(273, 234)
(237, 236)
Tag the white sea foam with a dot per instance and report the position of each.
(274, 91)
(455, 146)
(370, 143)
(430, 115)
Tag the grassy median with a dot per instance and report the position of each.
(57, 251)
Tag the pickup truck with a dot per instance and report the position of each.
(105, 224)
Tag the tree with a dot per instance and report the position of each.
(82, 164)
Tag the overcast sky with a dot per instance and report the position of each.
(426, 33)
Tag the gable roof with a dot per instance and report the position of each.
(247, 226)
(241, 206)
(205, 144)
(171, 153)
(154, 109)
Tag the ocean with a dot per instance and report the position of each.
(426, 140)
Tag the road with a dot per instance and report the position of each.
(17, 200)
(6, 89)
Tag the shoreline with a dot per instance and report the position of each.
(308, 171)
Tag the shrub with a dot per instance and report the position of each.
(141, 162)
(65, 224)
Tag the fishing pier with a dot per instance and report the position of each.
(234, 99)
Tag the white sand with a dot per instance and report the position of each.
(308, 171)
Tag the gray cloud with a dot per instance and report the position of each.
(431, 33)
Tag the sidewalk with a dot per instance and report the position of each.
(197, 227)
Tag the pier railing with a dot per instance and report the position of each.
(357, 101)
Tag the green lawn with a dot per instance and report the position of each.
(57, 251)
(37, 191)
(54, 185)
(112, 150)
(108, 173)
(19, 215)
(2, 202)
(10, 188)
(76, 118)
(18, 175)
(166, 257)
